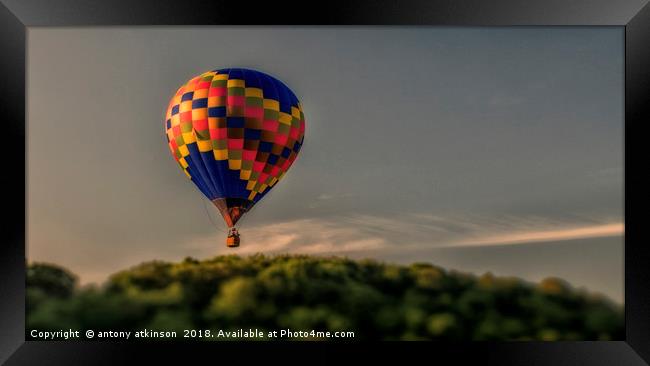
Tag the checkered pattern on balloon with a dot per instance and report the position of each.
(235, 133)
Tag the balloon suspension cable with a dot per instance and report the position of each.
(241, 221)
(248, 213)
(217, 226)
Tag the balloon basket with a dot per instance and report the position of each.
(232, 241)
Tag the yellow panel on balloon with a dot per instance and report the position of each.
(221, 154)
(235, 83)
(199, 113)
(253, 92)
(204, 145)
(271, 104)
(188, 137)
(295, 112)
(200, 93)
(176, 120)
(183, 162)
(285, 118)
(184, 151)
(234, 164)
(186, 106)
(245, 174)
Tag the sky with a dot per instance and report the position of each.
(475, 149)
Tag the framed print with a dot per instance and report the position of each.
(460, 179)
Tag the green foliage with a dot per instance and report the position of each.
(48, 281)
(375, 300)
(52, 280)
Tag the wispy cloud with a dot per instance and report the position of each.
(414, 231)
(596, 231)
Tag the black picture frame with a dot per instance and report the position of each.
(16, 16)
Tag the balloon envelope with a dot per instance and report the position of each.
(235, 133)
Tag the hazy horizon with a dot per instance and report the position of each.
(477, 149)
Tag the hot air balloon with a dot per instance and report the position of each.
(235, 133)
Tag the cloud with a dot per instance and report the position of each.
(597, 231)
(359, 234)
(306, 236)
